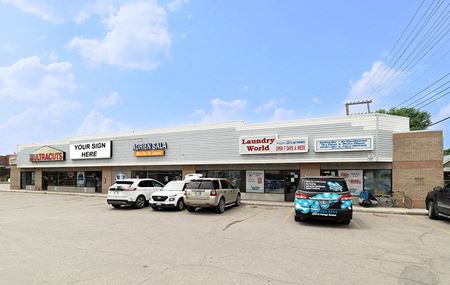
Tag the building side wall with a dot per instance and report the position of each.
(417, 164)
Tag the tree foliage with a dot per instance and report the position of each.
(419, 120)
(447, 151)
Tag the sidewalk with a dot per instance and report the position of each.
(356, 207)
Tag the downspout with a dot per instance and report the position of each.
(376, 137)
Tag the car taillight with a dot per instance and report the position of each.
(130, 189)
(345, 197)
(301, 196)
(213, 193)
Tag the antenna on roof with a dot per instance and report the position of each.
(347, 109)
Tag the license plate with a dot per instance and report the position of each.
(198, 193)
(158, 204)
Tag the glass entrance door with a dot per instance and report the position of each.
(291, 180)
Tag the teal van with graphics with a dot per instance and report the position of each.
(323, 197)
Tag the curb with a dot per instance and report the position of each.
(357, 209)
(57, 193)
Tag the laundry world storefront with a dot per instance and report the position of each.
(266, 160)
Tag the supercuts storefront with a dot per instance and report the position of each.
(265, 160)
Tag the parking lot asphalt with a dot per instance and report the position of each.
(81, 240)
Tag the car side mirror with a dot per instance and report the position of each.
(437, 189)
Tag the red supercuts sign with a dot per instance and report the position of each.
(47, 153)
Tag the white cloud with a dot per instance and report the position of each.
(8, 47)
(29, 79)
(269, 105)
(380, 81)
(36, 124)
(316, 99)
(45, 9)
(137, 38)
(281, 114)
(221, 111)
(96, 123)
(113, 98)
(175, 4)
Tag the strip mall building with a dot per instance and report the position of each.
(375, 152)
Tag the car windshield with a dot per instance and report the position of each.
(200, 184)
(323, 185)
(174, 186)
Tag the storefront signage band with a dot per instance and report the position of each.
(47, 153)
(91, 150)
(343, 144)
(149, 146)
(154, 152)
(150, 149)
(272, 144)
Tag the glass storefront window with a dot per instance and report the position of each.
(27, 178)
(274, 182)
(162, 176)
(72, 179)
(235, 176)
(378, 181)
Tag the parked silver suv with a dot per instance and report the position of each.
(214, 193)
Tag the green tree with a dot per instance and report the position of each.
(419, 120)
(447, 151)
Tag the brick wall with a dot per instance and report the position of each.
(417, 164)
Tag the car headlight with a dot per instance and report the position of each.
(172, 198)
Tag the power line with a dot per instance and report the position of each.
(434, 100)
(433, 32)
(427, 99)
(416, 32)
(440, 121)
(388, 56)
(422, 90)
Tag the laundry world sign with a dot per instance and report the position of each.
(272, 144)
(91, 150)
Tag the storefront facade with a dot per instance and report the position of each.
(265, 160)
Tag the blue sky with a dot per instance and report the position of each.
(88, 67)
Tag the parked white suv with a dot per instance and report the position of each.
(132, 192)
(171, 196)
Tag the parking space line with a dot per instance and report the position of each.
(357, 225)
(289, 214)
(424, 223)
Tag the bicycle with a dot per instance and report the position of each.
(385, 200)
(407, 202)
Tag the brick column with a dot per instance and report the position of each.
(309, 169)
(417, 164)
(107, 179)
(38, 179)
(15, 178)
(187, 169)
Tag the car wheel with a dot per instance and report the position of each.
(115, 206)
(191, 208)
(180, 205)
(220, 208)
(238, 201)
(345, 222)
(432, 211)
(140, 202)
